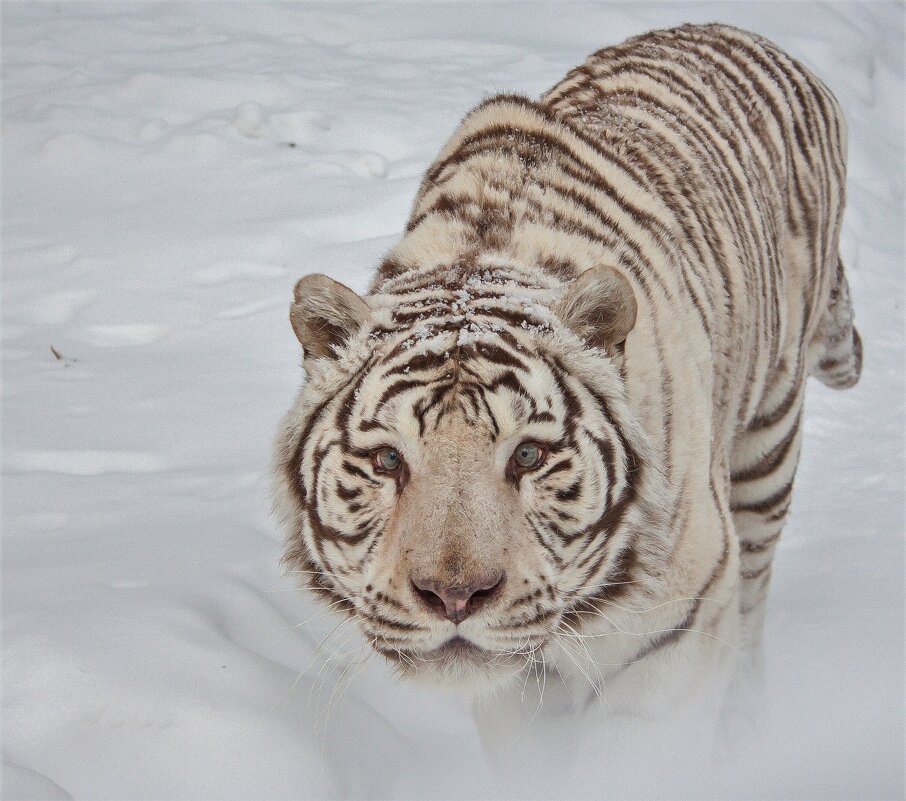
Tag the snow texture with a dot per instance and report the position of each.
(169, 170)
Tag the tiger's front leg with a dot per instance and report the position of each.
(765, 462)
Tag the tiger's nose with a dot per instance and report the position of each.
(457, 602)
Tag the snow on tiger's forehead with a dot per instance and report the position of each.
(460, 347)
(471, 303)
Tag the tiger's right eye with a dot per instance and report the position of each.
(387, 459)
(528, 455)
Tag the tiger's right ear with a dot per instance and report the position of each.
(325, 315)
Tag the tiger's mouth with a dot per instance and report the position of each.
(461, 648)
(455, 650)
(459, 664)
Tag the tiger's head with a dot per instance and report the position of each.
(460, 471)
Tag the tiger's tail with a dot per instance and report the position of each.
(838, 346)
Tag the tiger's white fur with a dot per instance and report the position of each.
(638, 271)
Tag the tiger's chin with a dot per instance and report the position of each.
(461, 666)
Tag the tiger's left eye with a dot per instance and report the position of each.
(528, 455)
(387, 459)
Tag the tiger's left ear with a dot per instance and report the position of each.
(600, 308)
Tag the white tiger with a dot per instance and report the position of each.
(565, 419)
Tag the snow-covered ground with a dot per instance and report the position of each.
(169, 170)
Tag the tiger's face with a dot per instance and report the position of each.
(458, 495)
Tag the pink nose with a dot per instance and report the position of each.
(457, 602)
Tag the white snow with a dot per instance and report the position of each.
(169, 170)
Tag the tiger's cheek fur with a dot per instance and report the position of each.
(354, 506)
